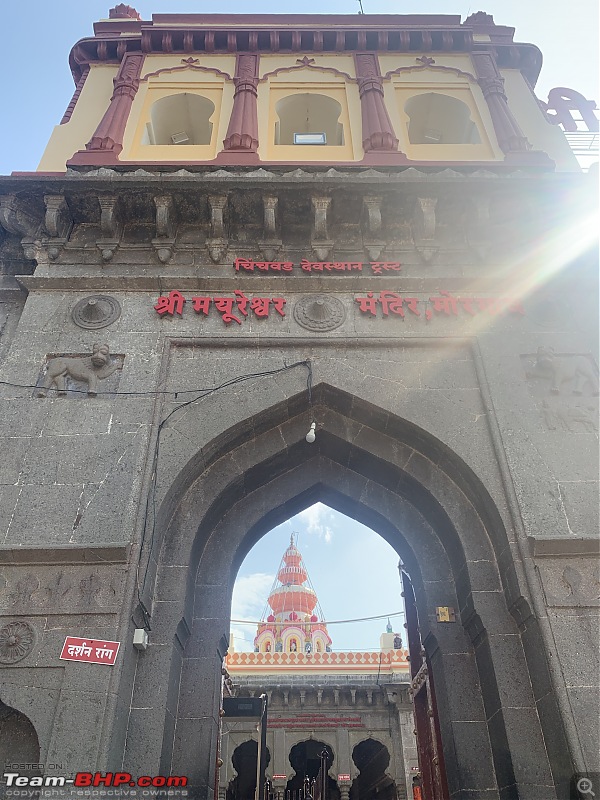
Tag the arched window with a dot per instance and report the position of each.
(440, 119)
(180, 119)
(293, 645)
(308, 118)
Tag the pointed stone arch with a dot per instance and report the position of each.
(417, 494)
(18, 741)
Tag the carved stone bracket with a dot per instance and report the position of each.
(271, 244)
(425, 228)
(478, 227)
(321, 243)
(166, 224)
(110, 227)
(218, 242)
(58, 223)
(373, 244)
(17, 218)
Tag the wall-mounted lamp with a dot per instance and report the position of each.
(311, 435)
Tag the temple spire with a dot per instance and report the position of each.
(296, 622)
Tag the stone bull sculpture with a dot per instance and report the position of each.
(88, 369)
(560, 369)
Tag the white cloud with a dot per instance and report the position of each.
(250, 595)
(315, 517)
(249, 598)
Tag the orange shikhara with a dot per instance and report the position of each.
(295, 620)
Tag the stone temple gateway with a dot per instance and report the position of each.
(244, 225)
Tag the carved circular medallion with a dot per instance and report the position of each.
(97, 311)
(319, 312)
(16, 641)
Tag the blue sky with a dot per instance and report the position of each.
(38, 35)
(352, 569)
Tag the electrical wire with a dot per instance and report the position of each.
(151, 496)
(326, 622)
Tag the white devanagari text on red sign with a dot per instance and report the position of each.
(94, 651)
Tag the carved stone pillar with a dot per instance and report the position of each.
(378, 135)
(107, 141)
(241, 142)
(511, 138)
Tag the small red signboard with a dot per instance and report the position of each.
(94, 651)
(279, 777)
(344, 777)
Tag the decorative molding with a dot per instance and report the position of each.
(17, 639)
(429, 66)
(188, 63)
(319, 312)
(306, 63)
(95, 312)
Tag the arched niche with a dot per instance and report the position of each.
(436, 118)
(306, 759)
(372, 759)
(308, 113)
(18, 741)
(180, 119)
(421, 497)
(244, 760)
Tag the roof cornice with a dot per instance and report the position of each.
(299, 33)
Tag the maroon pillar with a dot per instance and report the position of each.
(107, 141)
(241, 142)
(378, 137)
(511, 138)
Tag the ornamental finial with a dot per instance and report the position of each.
(123, 11)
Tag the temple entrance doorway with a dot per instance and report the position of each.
(421, 496)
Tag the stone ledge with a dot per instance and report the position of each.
(586, 546)
(65, 554)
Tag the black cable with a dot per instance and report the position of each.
(151, 496)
